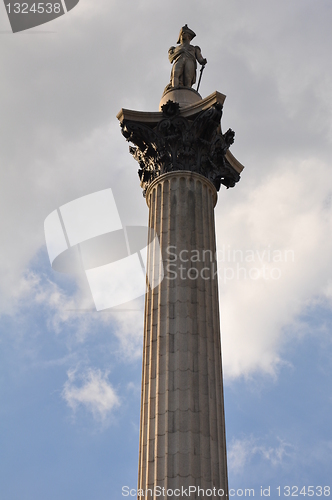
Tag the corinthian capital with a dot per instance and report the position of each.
(178, 139)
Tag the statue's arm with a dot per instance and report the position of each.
(173, 53)
(199, 56)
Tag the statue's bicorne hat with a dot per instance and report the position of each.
(185, 29)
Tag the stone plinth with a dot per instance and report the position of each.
(185, 96)
(182, 433)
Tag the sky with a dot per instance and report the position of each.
(70, 377)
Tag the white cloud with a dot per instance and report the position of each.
(242, 451)
(35, 292)
(285, 216)
(128, 323)
(74, 316)
(252, 455)
(95, 393)
(61, 141)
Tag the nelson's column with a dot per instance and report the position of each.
(183, 160)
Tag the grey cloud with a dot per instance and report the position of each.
(60, 93)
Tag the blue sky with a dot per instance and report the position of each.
(278, 428)
(70, 380)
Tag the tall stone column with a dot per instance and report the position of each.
(183, 159)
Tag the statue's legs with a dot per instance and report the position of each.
(184, 72)
(177, 72)
(189, 73)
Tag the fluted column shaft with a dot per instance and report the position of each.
(182, 429)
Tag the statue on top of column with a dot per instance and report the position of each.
(184, 58)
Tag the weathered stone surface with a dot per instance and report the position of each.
(182, 430)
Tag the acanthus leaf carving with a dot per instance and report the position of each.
(178, 143)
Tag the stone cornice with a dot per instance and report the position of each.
(153, 117)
